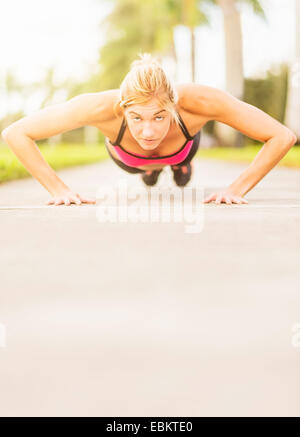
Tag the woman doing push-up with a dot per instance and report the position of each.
(150, 123)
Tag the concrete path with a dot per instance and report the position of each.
(147, 319)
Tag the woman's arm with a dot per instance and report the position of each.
(253, 122)
(85, 109)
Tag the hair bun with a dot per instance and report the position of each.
(145, 59)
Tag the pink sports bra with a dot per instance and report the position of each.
(134, 160)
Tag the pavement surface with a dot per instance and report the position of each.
(126, 318)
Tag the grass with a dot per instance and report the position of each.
(69, 155)
(58, 157)
(247, 154)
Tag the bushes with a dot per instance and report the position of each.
(59, 156)
(247, 154)
(268, 94)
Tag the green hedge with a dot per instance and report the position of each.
(58, 156)
(69, 155)
(268, 94)
(247, 154)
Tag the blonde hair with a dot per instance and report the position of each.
(145, 80)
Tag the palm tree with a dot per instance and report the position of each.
(234, 60)
(135, 26)
(132, 27)
(192, 16)
(293, 99)
(234, 42)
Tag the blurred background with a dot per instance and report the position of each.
(54, 50)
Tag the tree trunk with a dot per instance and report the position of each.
(90, 135)
(170, 59)
(173, 50)
(193, 53)
(234, 67)
(293, 98)
(53, 141)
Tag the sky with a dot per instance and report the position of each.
(64, 33)
(67, 34)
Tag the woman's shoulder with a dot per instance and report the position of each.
(103, 103)
(101, 108)
(194, 104)
(192, 97)
(196, 98)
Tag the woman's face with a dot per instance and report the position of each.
(148, 122)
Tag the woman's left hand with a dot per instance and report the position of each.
(224, 196)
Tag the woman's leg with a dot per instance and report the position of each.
(183, 171)
(150, 177)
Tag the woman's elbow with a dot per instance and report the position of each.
(293, 137)
(288, 138)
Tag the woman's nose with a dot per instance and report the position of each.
(148, 132)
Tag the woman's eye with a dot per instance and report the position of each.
(158, 116)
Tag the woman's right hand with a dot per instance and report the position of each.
(67, 197)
